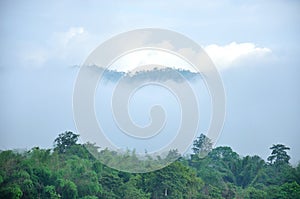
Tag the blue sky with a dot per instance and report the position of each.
(254, 44)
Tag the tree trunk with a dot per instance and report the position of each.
(166, 192)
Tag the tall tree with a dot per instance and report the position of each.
(252, 171)
(65, 141)
(202, 145)
(174, 181)
(225, 161)
(279, 154)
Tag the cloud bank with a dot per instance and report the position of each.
(224, 57)
(74, 45)
(153, 74)
(234, 54)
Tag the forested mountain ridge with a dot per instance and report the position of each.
(70, 171)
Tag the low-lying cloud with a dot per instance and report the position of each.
(155, 74)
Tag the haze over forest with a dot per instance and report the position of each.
(255, 48)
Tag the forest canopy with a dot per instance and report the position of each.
(69, 171)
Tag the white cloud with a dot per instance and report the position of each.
(234, 53)
(132, 61)
(224, 57)
(73, 34)
(73, 44)
(69, 47)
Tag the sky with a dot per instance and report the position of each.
(254, 44)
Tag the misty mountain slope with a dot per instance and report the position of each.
(152, 91)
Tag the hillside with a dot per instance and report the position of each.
(70, 171)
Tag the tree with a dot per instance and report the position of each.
(130, 189)
(251, 171)
(225, 161)
(64, 141)
(71, 172)
(174, 181)
(111, 184)
(202, 145)
(67, 189)
(279, 154)
(297, 173)
(50, 193)
(13, 191)
(291, 190)
(251, 192)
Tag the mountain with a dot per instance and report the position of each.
(151, 73)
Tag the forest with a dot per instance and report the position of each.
(69, 171)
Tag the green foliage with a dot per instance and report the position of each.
(297, 173)
(253, 193)
(290, 190)
(70, 171)
(214, 192)
(202, 145)
(64, 141)
(12, 191)
(50, 192)
(279, 154)
(89, 197)
(174, 181)
(130, 189)
(67, 189)
(226, 162)
(251, 171)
